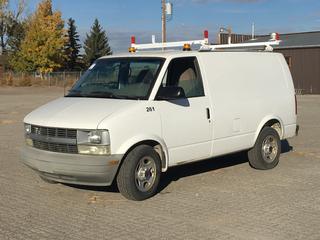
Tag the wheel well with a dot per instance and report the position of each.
(156, 146)
(276, 125)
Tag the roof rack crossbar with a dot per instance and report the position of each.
(204, 44)
(267, 45)
(167, 44)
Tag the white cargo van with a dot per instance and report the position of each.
(131, 117)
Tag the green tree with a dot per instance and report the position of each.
(96, 44)
(73, 47)
(43, 46)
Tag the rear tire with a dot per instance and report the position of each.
(139, 175)
(266, 151)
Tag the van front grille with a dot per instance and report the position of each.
(55, 147)
(60, 140)
(54, 132)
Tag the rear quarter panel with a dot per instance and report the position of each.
(246, 89)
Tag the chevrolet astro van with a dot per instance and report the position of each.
(131, 117)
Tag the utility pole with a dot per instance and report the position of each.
(164, 21)
(252, 31)
(228, 30)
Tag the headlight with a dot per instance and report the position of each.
(27, 128)
(95, 142)
(95, 137)
(27, 132)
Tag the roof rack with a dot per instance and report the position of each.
(204, 44)
(134, 47)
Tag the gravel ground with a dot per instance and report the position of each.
(222, 198)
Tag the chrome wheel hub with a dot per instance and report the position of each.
(269, 149)
(145, 174)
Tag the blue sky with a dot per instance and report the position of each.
(124, 18)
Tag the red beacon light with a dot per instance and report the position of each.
(206, 36)
(133, 39)
(132, 49)
(275, 36)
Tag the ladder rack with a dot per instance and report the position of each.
(204, 44)
(266, 45)
(167, 44)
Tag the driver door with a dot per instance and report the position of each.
(186, 122)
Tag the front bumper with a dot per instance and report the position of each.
(72, 168)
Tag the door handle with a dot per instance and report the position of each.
(208, 113)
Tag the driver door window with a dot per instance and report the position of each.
(184, 73)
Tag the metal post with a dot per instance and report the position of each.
(64, 83)
(164, 22)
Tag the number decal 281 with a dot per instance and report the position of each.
(150, 109)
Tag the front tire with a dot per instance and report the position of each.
(139, 175)
(266, 151)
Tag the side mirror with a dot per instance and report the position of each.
(170, 93)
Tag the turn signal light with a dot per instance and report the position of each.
(186, 47)
(132, 50)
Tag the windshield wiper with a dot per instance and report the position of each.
(100, 94)
(75, 93)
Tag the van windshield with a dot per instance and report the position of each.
(127, 78)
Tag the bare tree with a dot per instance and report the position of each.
(9, 20)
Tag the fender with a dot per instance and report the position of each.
(141, 138)
(263, 122)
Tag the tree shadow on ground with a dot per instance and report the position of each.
(191, 169)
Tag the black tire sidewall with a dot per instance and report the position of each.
(126, 177)
(255, 155)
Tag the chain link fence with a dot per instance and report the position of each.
(54, 79)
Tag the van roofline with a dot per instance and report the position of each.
(174, 53)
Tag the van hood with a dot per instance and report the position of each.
(79, 113)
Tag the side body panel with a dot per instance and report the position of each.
(247, 90)
(185, 129)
